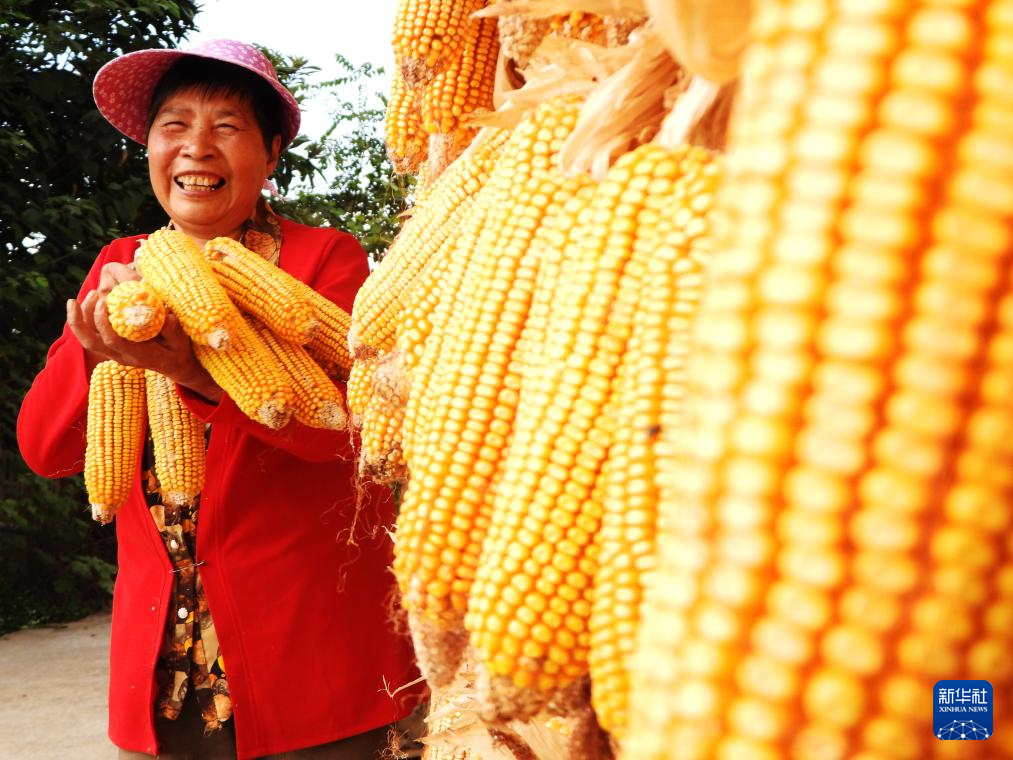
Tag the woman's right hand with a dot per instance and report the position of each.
(169, 353)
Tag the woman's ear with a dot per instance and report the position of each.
(272, 159)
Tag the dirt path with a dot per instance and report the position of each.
(53, 685)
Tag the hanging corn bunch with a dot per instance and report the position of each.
(833, 533)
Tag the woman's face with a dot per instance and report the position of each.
(208, 162)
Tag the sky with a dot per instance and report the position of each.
(310, 28)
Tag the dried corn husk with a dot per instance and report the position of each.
(706, 37)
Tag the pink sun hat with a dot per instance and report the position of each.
(124, 86)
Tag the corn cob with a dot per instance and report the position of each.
(406, 140)
(467, 84)
(360, 387)
(329, 344)
(442, 466)
(833, 533)
(252, 377)
(648, 394)
(429, 34)
(380, 299)
(136, 311)
(176, 269)
(316, 401)
(177, 437)
(114, 436)
(262, 289)
(382, 459)
(530, 631)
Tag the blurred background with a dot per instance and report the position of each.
(69, 183)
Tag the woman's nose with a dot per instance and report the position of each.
(198, 144)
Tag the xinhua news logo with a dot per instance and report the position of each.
(963, 710)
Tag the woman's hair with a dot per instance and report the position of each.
(210, 78)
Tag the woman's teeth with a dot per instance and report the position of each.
(199, 184)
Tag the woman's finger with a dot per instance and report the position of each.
(113, 274)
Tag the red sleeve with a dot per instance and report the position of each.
(53, 416)
(337, 273)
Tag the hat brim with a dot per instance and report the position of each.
(123, 89)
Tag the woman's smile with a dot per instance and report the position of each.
(199, 183)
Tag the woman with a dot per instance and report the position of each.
(263, 624)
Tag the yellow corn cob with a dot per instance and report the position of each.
(176, 269)
(177, 437)
(503, 227)
(115, 436)
(329, 344)
(834, 533)
(316, 401)
(262, 289)
(380, 299)
(648, 398)
(136, 311)
(406, 140)
(467, 84)
(252, 377)
(429, 34)
(382, 460)
(530, 629)
(360, 387)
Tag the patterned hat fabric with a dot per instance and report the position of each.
(124, 86)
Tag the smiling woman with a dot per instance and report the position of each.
(213, 138)
(254, 582)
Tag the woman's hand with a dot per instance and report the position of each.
(169, 353)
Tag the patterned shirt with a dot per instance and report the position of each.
(190, 656)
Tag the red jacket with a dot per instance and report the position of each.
(297, 580)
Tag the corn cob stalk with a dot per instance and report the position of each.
(252, 377)
(467, 84)
(479, 317)
(136, 311)
(530, 630)
(406, 140)
(380, 299)
(316, 401)
(429, 35)
(262, 289)
(834, 530)
(114, 436)
(176, 269)
(648, 395)
(177, 437)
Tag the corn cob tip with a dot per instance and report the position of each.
(332, 416)
(177, 498)
(218, 339)
(274, 412)
(102, 513)
(439, 649)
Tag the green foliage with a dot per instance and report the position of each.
(364, 197)
(70, 184)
